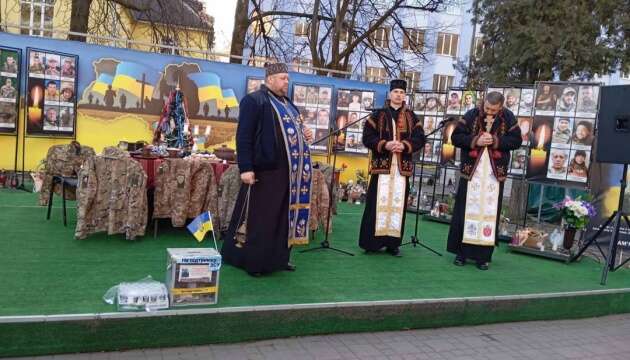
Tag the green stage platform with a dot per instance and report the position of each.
(48, 278)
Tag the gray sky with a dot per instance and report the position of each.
(223, 13)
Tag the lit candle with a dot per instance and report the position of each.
(539, 155)
(35, 112)
(208, 127)
(185, 128)
(448, 150)
(196, 130)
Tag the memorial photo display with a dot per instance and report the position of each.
(254, 84)
(352, 105)
(563, 131)
(51, 93)
(429, 108)
(10, 60)
(519, 100)
(314, 104)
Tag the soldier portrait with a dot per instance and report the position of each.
(36, 65)
(68, 67)
(367, 100)
(10, 65)
(52, 66)
(51, 118)
(7, 90)
(587, 99)
(343, 99)
(324, 96)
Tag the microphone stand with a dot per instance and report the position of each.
(415, 240)
(331, 150)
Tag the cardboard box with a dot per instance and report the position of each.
(192, 276)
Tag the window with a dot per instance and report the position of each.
(478, 47)
(413, 39)
(37, 17)
(442, 82)
(303, 65)
(376, 75)
(447, 44)
(413, 80)
(168, 41)
(380, 37)
(301, 28)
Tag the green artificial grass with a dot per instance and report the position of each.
(46, 271)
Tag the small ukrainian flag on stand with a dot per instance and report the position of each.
(201, 225)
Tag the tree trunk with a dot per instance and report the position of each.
(241, 24)
(79, 17)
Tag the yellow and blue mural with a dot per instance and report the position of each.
(121, 94)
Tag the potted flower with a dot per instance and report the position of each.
(575, 215)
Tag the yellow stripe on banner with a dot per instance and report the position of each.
(99, 88)
(210, 93)
(192, 291)
(127, 83)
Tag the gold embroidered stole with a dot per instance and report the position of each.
(482, 202)
(390, 197)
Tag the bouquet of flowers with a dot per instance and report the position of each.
(575, 213)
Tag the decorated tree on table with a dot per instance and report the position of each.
(172, 129)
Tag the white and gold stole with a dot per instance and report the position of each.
(482, 201)
(390, 198)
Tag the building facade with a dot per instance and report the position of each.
(444, 38)
(174, 24)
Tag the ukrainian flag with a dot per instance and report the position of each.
(130, 77)
(208, 85)
(102, 82)
(229, 99)
(201, 225)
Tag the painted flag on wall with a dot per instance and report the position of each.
(229, 99)
(102, 83)
(208, 85)
(134, 78)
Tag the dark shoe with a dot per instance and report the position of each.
(459, 261)
(290, 267)
(482, 266)
(394, 252)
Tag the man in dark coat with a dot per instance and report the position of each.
(393, 134)
(272, 209)
(486, 136)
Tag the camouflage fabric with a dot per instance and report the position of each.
(228, 192)
(319, 202)
(111, 196)
(184, 188)
(328, 174)
(63, 160)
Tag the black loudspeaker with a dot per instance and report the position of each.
(613, 125)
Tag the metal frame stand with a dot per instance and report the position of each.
(615, 218)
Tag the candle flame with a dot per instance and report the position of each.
(541, 138)
(36, 95)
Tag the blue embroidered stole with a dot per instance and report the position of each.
(299, 158)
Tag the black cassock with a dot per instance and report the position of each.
(266, 248)
(507, 136)
(414, 139)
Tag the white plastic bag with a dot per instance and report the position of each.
(145, 294)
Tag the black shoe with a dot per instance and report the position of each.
(394, 252)
(482, 266)
(459, 261)
(290, 267)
